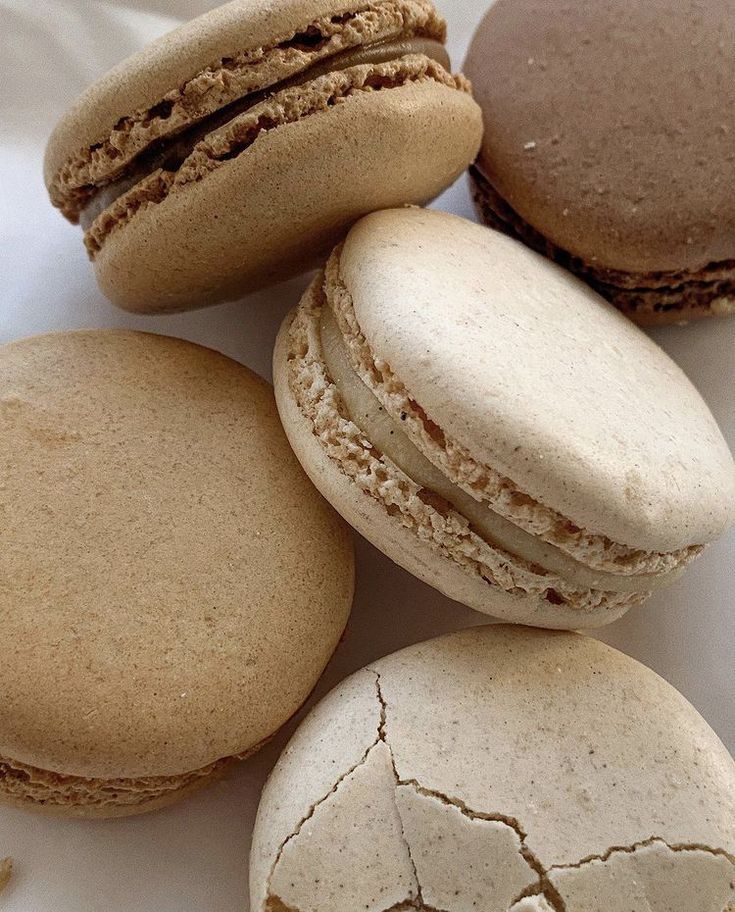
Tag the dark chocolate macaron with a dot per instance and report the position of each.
(609, 145)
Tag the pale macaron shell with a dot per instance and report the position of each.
(141, 81)
(285, 201)
(517, 752)
(540, 379)
(416, 555)
(175, 583)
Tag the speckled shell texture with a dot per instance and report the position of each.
(539, 378)
(610, 125)
(499, 768)
(173, 585)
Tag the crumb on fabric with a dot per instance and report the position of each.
(6, 870)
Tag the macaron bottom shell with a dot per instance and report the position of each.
(57, 795)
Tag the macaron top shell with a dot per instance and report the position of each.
(193, 70)
(529, 372)
(609, 126)
(511, 762)
(172, 584)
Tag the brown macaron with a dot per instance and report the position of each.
(172, 584)
(235, 151)
(609, 145)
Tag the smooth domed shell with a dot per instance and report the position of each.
(539, 379)
(173, 585)
(609, 126)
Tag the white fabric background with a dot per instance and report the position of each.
(194, 856)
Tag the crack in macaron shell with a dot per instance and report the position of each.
(6, 872)
(239, 134)
(484, 853)
(224, 82)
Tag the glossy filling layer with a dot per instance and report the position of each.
(168, 155)
(386, 435)
(657, 292)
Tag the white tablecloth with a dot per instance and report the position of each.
(193, 857)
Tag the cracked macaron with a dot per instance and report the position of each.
(237, 150)
(494, 426)
(172, 584)
(503, 769)
(608, 145)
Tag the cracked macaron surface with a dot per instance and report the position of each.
(503, 769)
(173, 585)
(495, 427)
(608, 145)
(251, 111)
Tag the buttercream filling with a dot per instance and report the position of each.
(168, 155)
(385, 434)
(658, 291)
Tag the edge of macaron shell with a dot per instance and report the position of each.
(418, 138)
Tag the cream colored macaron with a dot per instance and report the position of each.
(172, 584)
(236, 150)
(500, 769)
(494, 426)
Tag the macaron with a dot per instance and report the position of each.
(494, 426)
(236, 150)
(172, 584)
(608, 145)
(499, 768)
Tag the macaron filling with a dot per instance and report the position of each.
(711, 288)
(170, 154)
(387, 436)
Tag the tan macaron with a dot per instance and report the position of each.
(172, 584)
(494, 426)
(236, 150)
(499, 769)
